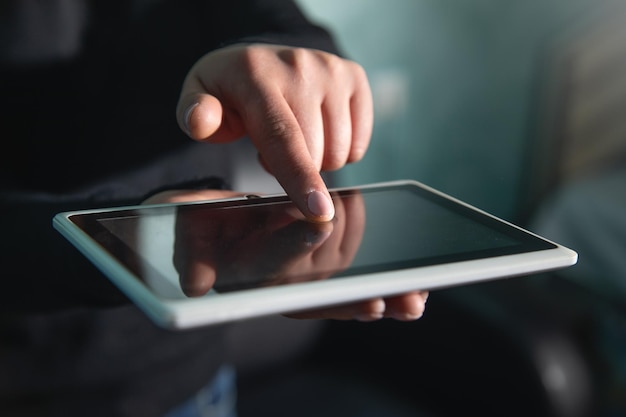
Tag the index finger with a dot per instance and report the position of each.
(275, 132)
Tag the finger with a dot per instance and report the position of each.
(193, 259)
(337, 133)
(306, 105)
(278, 137)
(199, 115)
(197, 277)
(362, 112)
(311, 123)
(202, 117)
(355, 217)
(348, 229)
(197, 257)
(269, 257)
(406, 307)
(369, 310)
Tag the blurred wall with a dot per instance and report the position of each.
(455, 87)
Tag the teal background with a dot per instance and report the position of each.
(455, 88)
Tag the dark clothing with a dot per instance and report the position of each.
(88, 93)
(117, 96)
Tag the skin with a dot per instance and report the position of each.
(306, 111)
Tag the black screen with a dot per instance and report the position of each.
(190, 249)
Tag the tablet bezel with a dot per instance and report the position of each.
(231, 306)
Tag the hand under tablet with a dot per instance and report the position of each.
(276, 247)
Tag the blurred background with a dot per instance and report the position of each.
(458, 85)
(519, 108)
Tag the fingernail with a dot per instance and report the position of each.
(187, 117)
(319, 205)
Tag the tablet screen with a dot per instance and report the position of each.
(200, 249)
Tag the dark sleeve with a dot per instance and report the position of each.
(41, 270)
(210, 25)
(275, 21)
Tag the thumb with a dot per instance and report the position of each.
(199, 115)
(203, 116)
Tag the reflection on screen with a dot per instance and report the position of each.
(416, 228)
(402, 228)
(151, 238)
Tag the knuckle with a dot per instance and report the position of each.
(296, 57)
(300, 66)
(257, 61)
(278, 129)
(358, 71)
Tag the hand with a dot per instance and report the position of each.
(305, 111)
(314, 248)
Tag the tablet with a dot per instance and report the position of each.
(208, 262)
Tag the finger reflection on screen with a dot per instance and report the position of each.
(236, 248)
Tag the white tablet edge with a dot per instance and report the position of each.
(181, 314)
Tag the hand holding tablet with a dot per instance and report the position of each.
(187, 264)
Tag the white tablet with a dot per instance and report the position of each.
(208, 262)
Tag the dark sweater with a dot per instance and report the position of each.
(88, 93)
